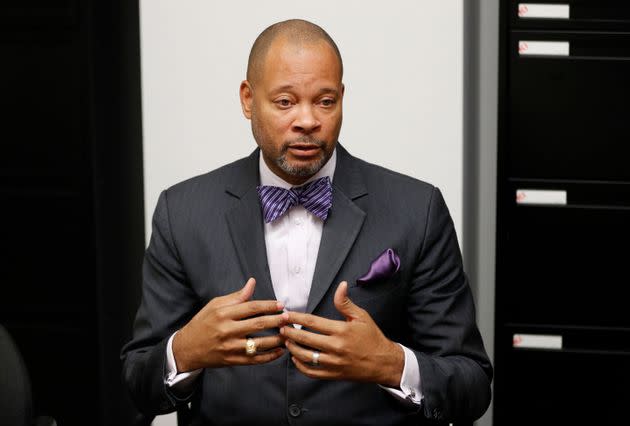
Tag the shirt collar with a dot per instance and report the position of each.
(269, 178)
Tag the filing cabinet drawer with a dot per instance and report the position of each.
(568, 111)
(570, 14)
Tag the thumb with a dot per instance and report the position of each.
(343, 303)
(239, 296)
(246, 293)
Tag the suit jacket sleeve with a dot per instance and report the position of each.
(454, 367)
(167, 304)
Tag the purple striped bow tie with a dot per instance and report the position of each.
(316, 197)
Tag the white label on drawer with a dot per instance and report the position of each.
(547, 48)
(541, 196)
(545, 11)
(537, 341)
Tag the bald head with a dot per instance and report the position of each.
(294, 31)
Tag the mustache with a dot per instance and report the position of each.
(304, 139)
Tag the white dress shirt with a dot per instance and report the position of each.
(292, 243)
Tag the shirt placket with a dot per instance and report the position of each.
(297, 245)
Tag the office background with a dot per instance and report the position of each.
(517, 111)
(110, 102)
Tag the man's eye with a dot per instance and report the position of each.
(327, 102)
(283, 102)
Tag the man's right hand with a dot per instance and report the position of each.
(216, 335)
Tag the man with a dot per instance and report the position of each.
(354, 309)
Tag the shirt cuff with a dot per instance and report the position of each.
(409, 389)
(181, 382)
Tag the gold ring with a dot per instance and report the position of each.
(250, 347)
(315, 358)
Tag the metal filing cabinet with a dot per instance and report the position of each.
(563, 214)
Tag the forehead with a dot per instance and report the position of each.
(286, 60)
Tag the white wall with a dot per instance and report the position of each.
(403, 76)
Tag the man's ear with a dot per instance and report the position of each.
(247, 97)
(343, 89)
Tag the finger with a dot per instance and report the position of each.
(240, 296)
(313, 322)
(255, 325)
(308, 339)
(343, 303)
(260, 358)
(306, 355)
(315, 372)
(263, 344)
(252, 308)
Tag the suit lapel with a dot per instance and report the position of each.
(246, 227)
(340, 231)
(341, 228)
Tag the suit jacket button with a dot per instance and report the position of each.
(294, 410)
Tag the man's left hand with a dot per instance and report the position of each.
(354, 349)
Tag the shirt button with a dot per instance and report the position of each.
(298, 221)
(294, 410)
(412, 394)
(297, 269)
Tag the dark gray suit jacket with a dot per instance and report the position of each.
(208, 239)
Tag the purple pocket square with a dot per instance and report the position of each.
(385, 265)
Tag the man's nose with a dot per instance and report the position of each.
(306, 120)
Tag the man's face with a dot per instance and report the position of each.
(295, 106)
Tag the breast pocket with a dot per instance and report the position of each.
(384, 300)
(377, 289)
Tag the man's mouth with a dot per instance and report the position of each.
(304, 149)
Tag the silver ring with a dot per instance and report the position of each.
(315, 358)
(250, 347)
